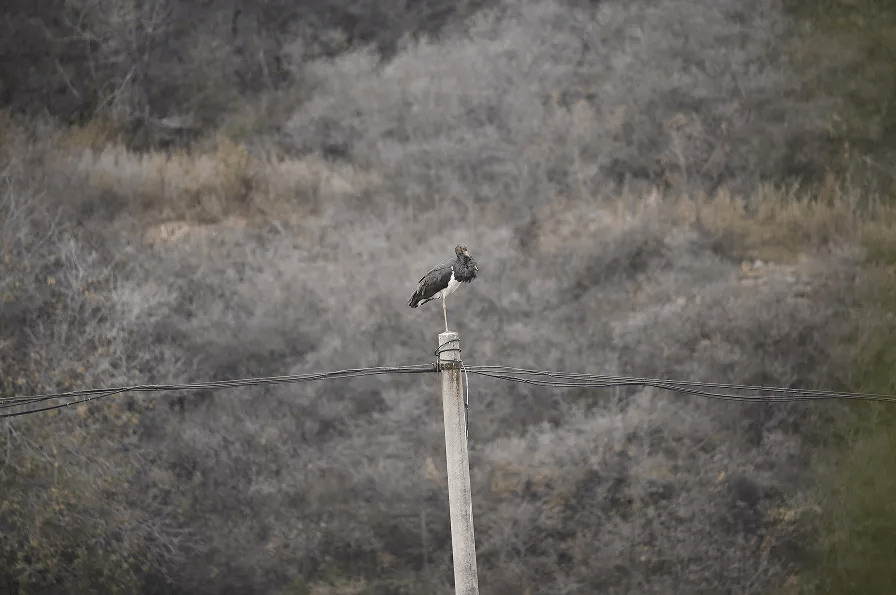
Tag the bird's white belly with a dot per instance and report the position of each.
(453, 284)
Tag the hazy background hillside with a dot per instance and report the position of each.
(689, 189)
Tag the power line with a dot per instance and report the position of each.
(577, 380)
(83, 396)
(25, 405)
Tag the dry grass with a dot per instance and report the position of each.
(779, 226)
(209, 187)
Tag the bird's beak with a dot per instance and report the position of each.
(475, 267)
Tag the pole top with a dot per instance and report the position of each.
(449, 347)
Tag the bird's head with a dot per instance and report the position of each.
(464, 254)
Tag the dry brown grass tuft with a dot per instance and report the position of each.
(210, 187)
(205, 187)
(778, 227)
(96, 135)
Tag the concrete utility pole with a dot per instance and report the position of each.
(466, 578)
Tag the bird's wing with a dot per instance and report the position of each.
(437, 273)
(431, 283)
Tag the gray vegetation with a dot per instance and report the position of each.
(216, 190)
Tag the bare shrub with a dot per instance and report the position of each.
(146, 64)
(135, 63)
(605, 502)
(539, 99)
(83, 509)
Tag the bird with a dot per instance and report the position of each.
(444, 280)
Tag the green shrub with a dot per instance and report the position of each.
(855, 475)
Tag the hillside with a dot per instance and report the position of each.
(637, 184)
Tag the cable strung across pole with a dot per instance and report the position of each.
(23, 405)
(86, 395)
(578, 380)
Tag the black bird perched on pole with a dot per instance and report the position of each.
(445, 279)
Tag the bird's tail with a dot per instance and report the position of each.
(417, 298)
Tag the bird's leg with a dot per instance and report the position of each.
(445, 312)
